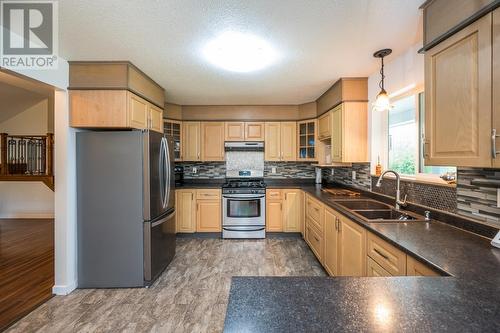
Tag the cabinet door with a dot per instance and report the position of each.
(212, 141)
(254, 131)
(208, 216)
(274, 216)
(458, 98)
(235, 131)
(185, 209)
(288, 141)
(496, 82)
(337, 135)
(272, 144)
(292, 212)
(137, 112)
(324, 126)
(331, 242)
(155, 118)
(190, 141)
(352, 249)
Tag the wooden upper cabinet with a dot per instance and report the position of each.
(272, 146)
(325, 126)
(458, 121)
(212, 141)
(496, 81)
(292, 210)
(235, 131)
(113, 109)
(138, 112)
(191, 141)
(289, 141)
(331, 242)
(349, 138)
(155, 118)
(307, 140)
(352, 249)
(254, 131)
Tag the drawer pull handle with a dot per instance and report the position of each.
(381, 254)
(317, 240)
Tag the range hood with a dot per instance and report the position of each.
(244, 146)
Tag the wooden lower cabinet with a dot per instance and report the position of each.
(274, 216)
(386, 255)
(331, 242)
(292, 210)
(352, 249)
(208, 216)
(416, 268)
(374, 269)
(315, 240)
(185, 209)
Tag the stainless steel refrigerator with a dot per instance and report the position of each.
(125, 207)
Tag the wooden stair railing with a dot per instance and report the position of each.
(27, 158)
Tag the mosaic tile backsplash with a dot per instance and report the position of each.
(433, 196)
(477, 194)
(344, 175)
(284, 170)
(217, 170)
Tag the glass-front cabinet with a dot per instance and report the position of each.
(173, 128)
(307, 134)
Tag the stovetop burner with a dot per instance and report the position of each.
(253, 185)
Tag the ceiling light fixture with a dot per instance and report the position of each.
(240, 52)
(382, 102)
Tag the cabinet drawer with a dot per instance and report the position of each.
(209, 194)
(314, 212)
(315, 241)
(273, 194)
(374, 269)
(416, 268)
(386, 255)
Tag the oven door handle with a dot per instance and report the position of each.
(243, 198)
(243, 229)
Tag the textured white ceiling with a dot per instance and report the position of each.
(319, 41)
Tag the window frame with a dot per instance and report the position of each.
(419, 176)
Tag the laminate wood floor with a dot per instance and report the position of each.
(190, 296)
(26, 266)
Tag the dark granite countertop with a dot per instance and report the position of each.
(467, 300)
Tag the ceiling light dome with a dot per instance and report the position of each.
(240, 52)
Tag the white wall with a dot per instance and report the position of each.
(65, 179)
(401, 72)
(25, 199)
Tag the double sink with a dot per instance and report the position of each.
(374, 211)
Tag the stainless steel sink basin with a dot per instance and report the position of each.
(362, 204)
(387, 215)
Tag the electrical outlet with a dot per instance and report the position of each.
(498, 197)
(333, 172)
(273, 170)
(354, 175)
(195, 170)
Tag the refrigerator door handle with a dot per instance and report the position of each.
(161, 172)
(167, 173)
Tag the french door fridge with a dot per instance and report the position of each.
(125, 207)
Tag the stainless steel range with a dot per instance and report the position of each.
(244, 208)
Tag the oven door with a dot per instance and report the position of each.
(244, 209)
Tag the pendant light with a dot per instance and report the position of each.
(382, 102)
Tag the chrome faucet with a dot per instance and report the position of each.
(399, 203)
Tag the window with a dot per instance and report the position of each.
(405, 133)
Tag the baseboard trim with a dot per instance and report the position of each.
(64, 289)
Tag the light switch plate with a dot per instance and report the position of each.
(333, 172)
(195, 170)
(354, 175)
(498, 197)
(273, 170)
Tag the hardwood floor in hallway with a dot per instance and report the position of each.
(26, 266)
(190, 296)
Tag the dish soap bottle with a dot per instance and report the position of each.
(378, 167)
